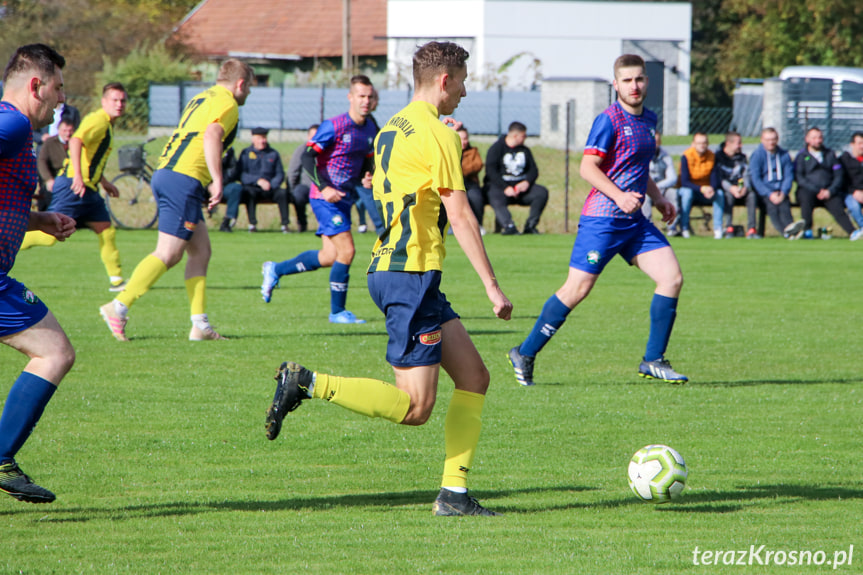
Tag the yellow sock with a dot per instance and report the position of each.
(370, 397)
(37, 238)
(461, 435)
(143, 278)
(109, 252)
(196, 288)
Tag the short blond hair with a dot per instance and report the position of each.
(628, 61)
(232, 70)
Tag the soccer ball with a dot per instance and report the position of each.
(657, 473)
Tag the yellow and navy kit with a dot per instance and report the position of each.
(97, 134)
(416, 158)
(184, 152)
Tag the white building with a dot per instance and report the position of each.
(517, 43)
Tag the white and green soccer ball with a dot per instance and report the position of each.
(657, 473)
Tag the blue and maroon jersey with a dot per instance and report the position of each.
(626, 144)
(343, 146)
(18, 179)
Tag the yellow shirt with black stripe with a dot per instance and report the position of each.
(96, 134)
(416, 158)
(184, 152)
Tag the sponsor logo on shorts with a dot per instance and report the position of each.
(431, 338)
(29, 297)
(593, 257)
(190, 226)
(337, 220)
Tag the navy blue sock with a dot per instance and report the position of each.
(24, 406)
(339, 286)
(553, 315)
(663, 310)
(305, 262)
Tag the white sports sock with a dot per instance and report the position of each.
(456, 489)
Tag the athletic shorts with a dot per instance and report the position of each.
(415, 310)
(181, 199)
(90, 208)
(332, 218)
(600, 239)
(20, 309)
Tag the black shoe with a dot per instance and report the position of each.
(449, 503)
(509, 230)
(293, 381)
(530, 230)
(523, 366)
(226, 225)
(16, 483)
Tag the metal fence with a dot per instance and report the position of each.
(280, 108)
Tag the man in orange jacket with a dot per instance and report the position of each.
(696, 166)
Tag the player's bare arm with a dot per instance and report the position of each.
(52, 223)
(466, 231)
(332, 195)
(666, 208)
(110, 188)
(76, 147)
(590, 171)
(213, 155)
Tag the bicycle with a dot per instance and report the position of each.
(136, 206)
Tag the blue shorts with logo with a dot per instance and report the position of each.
(415, 310)
(181, 199)
(90, 208)
(600, 239)
(332, 218)
(20, 309)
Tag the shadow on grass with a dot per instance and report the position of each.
(797, 381)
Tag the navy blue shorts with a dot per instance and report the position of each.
(20, 309)
(90, 208)
(415, 310)
(181, 199)
(600, 239)
(332, 218)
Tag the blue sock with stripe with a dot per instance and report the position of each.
(23, 408)
(663, 311)
(305, 262)
(339, 286)
(553, 315)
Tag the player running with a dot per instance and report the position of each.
(616, 163)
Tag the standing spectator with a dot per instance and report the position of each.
(696, 167)
(730, 176)
(819, 176)
(261, 174)
(299, 181)
(510, 175)
(471, 166)
(365, 199)
(662, 172)
(32, 88)
(852, 164)
(772, 173)
(52, 154)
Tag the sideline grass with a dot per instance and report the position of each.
(157, 453)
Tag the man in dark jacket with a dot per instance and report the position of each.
(852, 164)
(820, 182)
(261, 174)
(730, 176)
(510, 175)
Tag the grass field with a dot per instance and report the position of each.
(157, 453)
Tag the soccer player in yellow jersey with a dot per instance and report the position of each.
(419, 185)
(191, 160)
(76, 187)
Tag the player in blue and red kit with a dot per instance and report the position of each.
(616, 163)
(334, 159)
(32, 88)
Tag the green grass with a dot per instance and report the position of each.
(157, 452)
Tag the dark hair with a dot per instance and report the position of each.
(314, 127)
(463, 129)
(813, 129)
(361, 79)
(731, 134)
(856, 135)
(436, 57)
(517, 127)
(34, 56)
(113, 86)
(628, 61)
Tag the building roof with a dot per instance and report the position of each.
(283, 28)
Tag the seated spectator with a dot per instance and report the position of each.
(299, 181)
(471, 166)
(771, 175)
(261, 174)
(696, 167)
(510, 177)
(852, 168)
(820, 180)
(664, 175)
(730, 176)
(52, 154)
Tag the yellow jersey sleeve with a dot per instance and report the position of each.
(416, 158)
(184, 152)
(96, 135)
